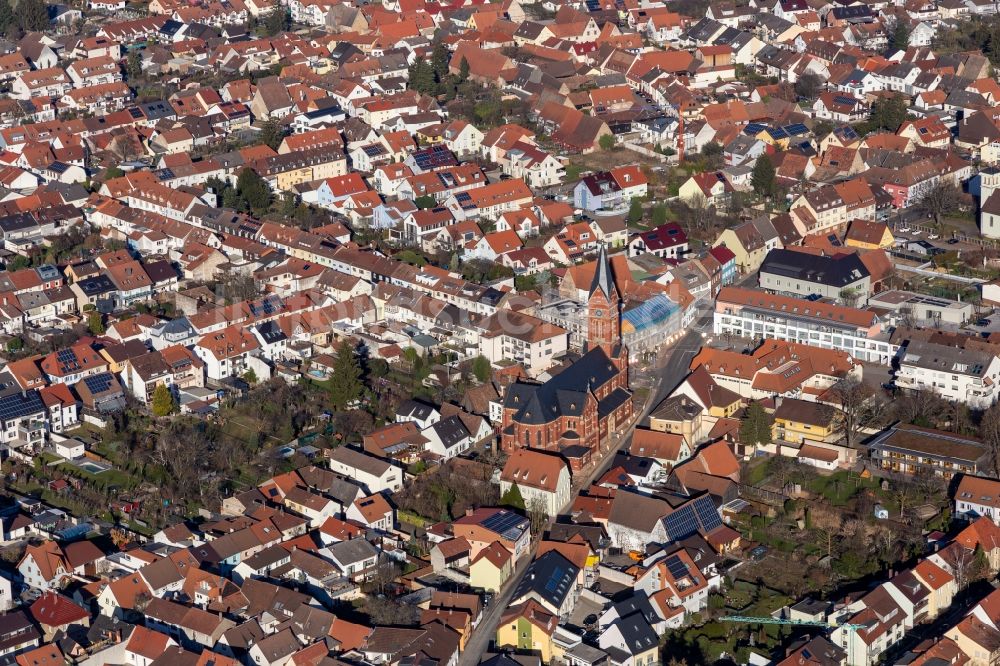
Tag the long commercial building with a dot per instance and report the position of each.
(757, 315)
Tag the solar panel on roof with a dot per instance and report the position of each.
(677, 568)
(848, 132)
(373, 150)
(502, 522)
(841, 99)
(553, 583)
(681, 523)
(98, 383)
(796, 128)
(708, 515)
(19, 405)
(753, 129)
(135, 113)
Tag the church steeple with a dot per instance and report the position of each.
(603, 316)
(602, 276)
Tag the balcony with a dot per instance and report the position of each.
(32, 433)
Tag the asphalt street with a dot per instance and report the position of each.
(668, 377)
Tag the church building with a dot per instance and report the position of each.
(575, 412)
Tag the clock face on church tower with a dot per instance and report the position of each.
(598, 313)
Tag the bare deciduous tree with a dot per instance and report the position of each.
(538, 515)
(860, 406)
(943, 198)
(989, 430)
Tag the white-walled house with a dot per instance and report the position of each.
(541, 478)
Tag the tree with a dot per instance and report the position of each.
(276, 21)
(163, 401)
(755, 427)
(488, 111)
(463, 70)
(133, 65)
(808, 86)
(695, 212)
(607, 141)
(440, 58)
(250, 377)
(989, 430)
(482, 369)
(271, 134)
(635, 211)
(659, 215)
(422, 77)
(95, 324)
(236, 286)
(762, 179)
(345, 381)
(900, 39)
(943, 198)
(860, 408)
(850, 296)
(513, 498)
(7, 18)
(33, 15)
(821, 128)
(253, 189)
(538, 515)
(887, 113)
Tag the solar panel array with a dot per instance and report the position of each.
(552, 584)
(504, 523)
(848, 132)
(67, 361)
(267, 306)
(677, 568)
(796, 128)
(699, 515)
(98, 383)
(434, 158)
(681, 524)
(708, 515)
(17, 405)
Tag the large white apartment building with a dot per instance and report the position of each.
(964, 375)
(757, 315)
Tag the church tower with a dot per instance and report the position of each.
(604, 310)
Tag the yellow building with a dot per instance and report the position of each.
(529, 627)
(941, 584)
(868, 235)
(491, 568)
(796, 421)
(747, 243)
